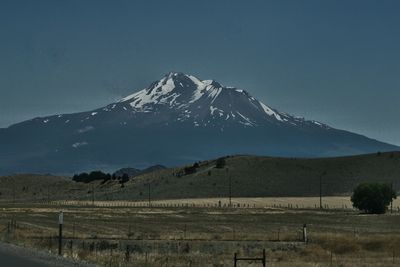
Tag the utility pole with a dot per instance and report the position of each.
(149, 196)
(92, 195)
(391, 201)
(320, 192)
(60, 226)
(320, 189)
(230, 191)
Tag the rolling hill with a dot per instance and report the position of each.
(250, 176)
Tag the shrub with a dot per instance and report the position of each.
(220, 163)
(191, 169)
(372, 197)
(124, 178)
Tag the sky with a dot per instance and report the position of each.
(335, 61)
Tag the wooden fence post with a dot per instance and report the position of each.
(393, 257)
(264, 259)
(127, 252)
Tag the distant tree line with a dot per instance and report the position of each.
(92, 176)
(220, 163)
(99, 176)
(191, 169)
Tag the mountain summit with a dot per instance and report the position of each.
(179, 97)
(177, 119)
(203, 102)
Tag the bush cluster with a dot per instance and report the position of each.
(92, 176)
(373, 197)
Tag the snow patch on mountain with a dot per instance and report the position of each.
(152, 94)
(86, 129)
(213, 109)
(247, 121)
(270, 112)
(79, 144)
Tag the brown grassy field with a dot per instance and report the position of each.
(206, 235)
(189, 222)
(328, 203)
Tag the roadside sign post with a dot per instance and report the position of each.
(305, 233)
(60, 224)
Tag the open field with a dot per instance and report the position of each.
(124, 235)
(328, 203)
(168, 218)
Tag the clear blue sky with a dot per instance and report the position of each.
(333, 61)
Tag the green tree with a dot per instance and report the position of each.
(372, 197)
(124, 178)
(220, 163)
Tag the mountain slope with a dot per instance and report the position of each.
(176, 120)
(253, 176)
(132, 172)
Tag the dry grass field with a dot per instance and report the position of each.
(328, 203)
(176, 233)
(189, 221)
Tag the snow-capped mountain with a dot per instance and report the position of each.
(185, 99)
(205, 103)
(177, 119)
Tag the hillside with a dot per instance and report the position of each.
(253, 176)
(24, 187)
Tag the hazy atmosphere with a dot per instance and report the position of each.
(201, 133)
(336, 62)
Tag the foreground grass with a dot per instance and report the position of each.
(207, 235)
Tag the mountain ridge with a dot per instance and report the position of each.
(190, 91)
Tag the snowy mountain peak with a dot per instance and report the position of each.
(205, 102)
(174, 89)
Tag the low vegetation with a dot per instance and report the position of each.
(373, 197)
(206, 236)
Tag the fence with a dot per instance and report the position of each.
(166, 252)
